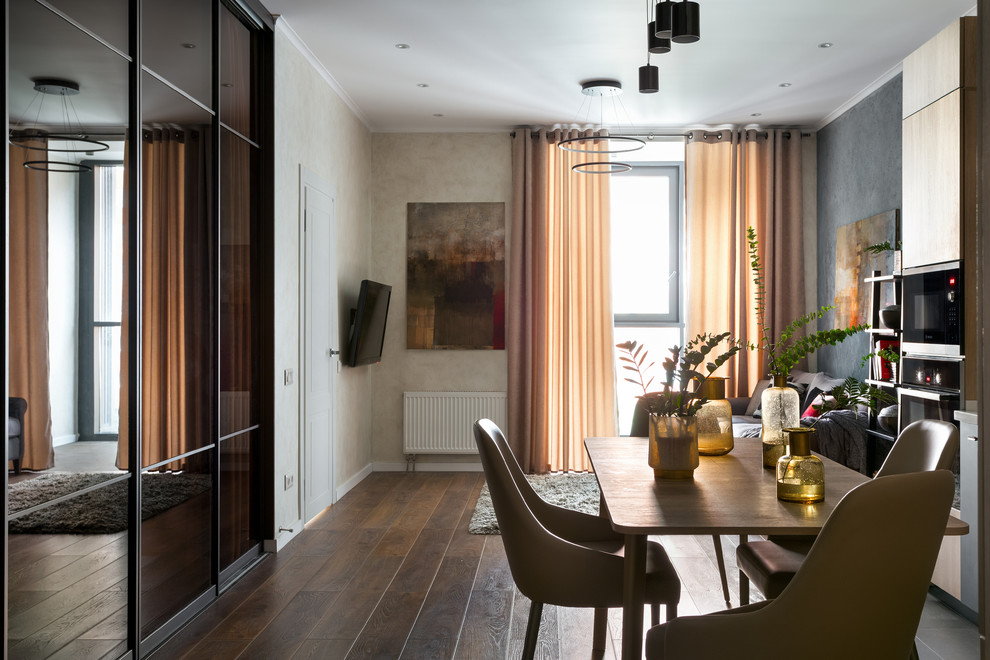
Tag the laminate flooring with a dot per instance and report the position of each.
(390, 571)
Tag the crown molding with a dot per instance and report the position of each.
(282, 25)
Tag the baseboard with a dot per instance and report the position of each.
(64, 440)
(425, 466)
(352, 482)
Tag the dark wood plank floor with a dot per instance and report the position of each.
(390, 571)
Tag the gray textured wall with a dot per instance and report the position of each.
(859, 175)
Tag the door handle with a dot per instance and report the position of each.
(331, 352)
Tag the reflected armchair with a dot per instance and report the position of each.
(16, 407)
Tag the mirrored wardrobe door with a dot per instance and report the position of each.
(67, 492)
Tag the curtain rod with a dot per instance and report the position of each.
(685, 135)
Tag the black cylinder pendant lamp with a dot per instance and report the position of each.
(686, 27)
(655, 44)
(649, 79)
(664, 19)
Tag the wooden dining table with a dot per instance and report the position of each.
(730, 494)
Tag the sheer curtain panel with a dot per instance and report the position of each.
(559, 312)
(736, 179)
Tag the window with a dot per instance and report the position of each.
(646, 223)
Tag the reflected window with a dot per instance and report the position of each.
(108, 281)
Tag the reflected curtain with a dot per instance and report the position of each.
(27, 254)
(733, 180)
(176, 272)
(561, 377)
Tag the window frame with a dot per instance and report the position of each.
(675, 317)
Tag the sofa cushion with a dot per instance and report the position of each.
(13, 427)
(757, 396)
(822, 383)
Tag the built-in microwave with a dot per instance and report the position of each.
(932, 309)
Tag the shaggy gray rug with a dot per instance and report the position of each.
(102, 511)
(571, 490)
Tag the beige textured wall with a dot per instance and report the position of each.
(314, 128)
(426, 168)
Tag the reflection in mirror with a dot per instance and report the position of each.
(236, 347)
(236, 75)
(176, 538)
(53, 240)
(178, 264)
(177, 44)
(67, 567)
(238, 513)
(107, 19)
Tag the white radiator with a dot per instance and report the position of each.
(442, 422)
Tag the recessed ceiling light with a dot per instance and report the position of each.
(421, 85)
(785, 84)
(826, 44)
(190, 46)
(402, 46)
(438, 114)
(756, 114)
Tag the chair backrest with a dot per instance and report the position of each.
(545, 567)
(862, 586)
(923, 445)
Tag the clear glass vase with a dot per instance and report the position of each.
(714, 419)
(800, 475)
(779, 410)
(673, 446)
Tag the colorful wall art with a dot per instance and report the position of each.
(853, 263)
(455, 275)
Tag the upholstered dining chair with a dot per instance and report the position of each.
(922, 446)
(863, 584)
(562, 557)
(640, 428)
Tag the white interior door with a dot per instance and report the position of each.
(320, 344)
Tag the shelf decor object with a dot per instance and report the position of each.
(800, 475)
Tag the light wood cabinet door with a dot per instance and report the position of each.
(944, 63)
(932, 183)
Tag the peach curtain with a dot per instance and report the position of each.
(736, 179)
(559, 310)
(27, 254)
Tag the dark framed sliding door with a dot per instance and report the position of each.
(139, 268)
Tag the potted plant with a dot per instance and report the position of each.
(877, 249)
(883, 356)
(780, 406)
(673, 410)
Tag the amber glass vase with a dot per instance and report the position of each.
(673, 446)
(800, 475)
(714, 419)
(779, 410)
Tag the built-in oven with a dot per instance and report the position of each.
(931, 388)
(932, 309)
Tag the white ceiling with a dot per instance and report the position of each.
(495, 64)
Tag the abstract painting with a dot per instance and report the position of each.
(455, 275)
(853, 263)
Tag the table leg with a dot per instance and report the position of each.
(633, 596)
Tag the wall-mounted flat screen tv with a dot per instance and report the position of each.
(367, 332)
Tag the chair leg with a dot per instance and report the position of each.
(601, 629)
(720, 560)
(532, 630)
(671, 611)
(655, 614)
(743, 589)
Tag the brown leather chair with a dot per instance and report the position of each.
(859, 593)
(922, 446)
(559, 556)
